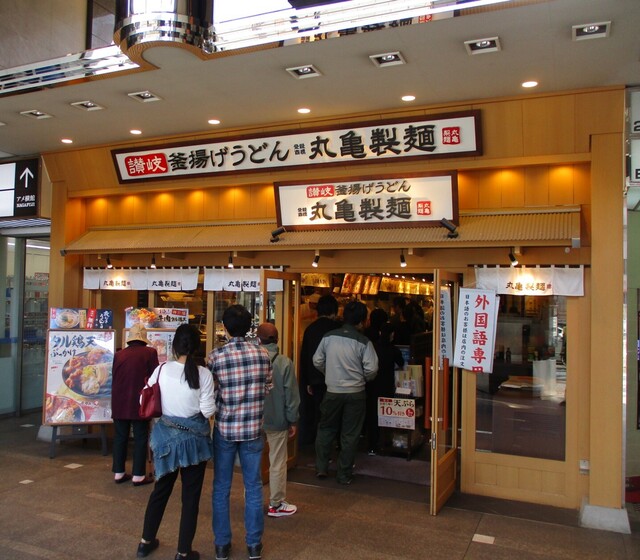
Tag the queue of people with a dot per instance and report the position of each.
(251, 392)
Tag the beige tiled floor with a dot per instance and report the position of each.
(80, 514)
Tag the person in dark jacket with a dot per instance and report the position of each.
(312, 385)
(131, 366)
(384, 384)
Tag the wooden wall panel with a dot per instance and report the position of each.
(160, 208)
(211, 204)
(581, 184)
(502, 129)
(242, 208)
(536, 190)
(549, 125)
(597, 113)
(511, 184)
(561, 185)
(97, 212)
(139, 208)
(490, 195)
(468, 191)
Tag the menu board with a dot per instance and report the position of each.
(65, 318)
(161, 340)
(78, 376)
(156, 317)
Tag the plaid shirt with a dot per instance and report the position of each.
(242, 374)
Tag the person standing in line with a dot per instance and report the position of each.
(348, 359)
(131, 367)
(312, 383)
(242, 374)
(180, 441)
(280, 417)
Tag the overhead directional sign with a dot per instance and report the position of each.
(19, 182)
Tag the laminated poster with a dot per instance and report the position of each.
(78, 376)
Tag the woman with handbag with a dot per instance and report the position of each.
(131, 366)
(180, 441)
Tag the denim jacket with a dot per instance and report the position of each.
(179, 442)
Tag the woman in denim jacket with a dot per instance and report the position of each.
(180, 441)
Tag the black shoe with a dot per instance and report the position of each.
(222, 552)
(144, 549)
(193, 555)
(255, 551)
(125, 478)
(142, 482)
(321, 474)
(346, 481)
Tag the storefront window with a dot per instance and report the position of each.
(520, 407)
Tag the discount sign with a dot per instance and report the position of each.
(397, 413)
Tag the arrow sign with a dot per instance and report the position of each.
(26, 174)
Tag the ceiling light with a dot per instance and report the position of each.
(591, 31)
(153, 262)
(135, 131)
(230, 261)
(304, 111)
(408, 98)
(3, 124)
(307, 71)
(87, 106)
(144, 96)
(213, 121)
(276, 233)
(512, 258)
(403, 262)
(529, 84)
(66, 140)
(109, 265)
(387, 59)
(479, 46)
(316, 259)
(35, 114)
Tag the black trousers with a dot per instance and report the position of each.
(121, 443)
(192, 479)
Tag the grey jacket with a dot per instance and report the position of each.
(283, 401)
(347, 358)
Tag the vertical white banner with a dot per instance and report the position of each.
(446, 325)
(476, 330)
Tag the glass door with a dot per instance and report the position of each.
(444, 389)
(280, 293)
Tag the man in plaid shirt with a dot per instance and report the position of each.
(242, 375)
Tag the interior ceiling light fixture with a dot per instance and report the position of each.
(453, 233)
(479, 46)
(598, 30)
(529, 84)
(144, 96)
(316, 259)
(109, 265)
(387, 59)
(306, 71)
(153, 261)
(35, 114)
(276, 233)
(230, 261)
(87, 106)
(403, 262)
(513, 259)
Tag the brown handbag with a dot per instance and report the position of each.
(150, 400)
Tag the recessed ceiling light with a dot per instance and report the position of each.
(144, 96)
(387, 59)
(529, 84)
(591, 31)
(87, 106)
(408, 98)
(66, 140)
(213, 121)
(135, 131)
(306, 71)
(304, 110)
(35, 114)
(3, 124)
(478, 46)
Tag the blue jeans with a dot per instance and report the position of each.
(224, 454)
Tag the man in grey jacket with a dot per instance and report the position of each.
(280, 417)
(348, 360)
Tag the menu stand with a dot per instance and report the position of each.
(78, 431)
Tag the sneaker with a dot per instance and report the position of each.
(282, 510)
(371, 452)
(223, 551)
(255, 551)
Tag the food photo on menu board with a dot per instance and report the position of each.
(65, 318)
(161, 340)
(156, 317)
(78, 376)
